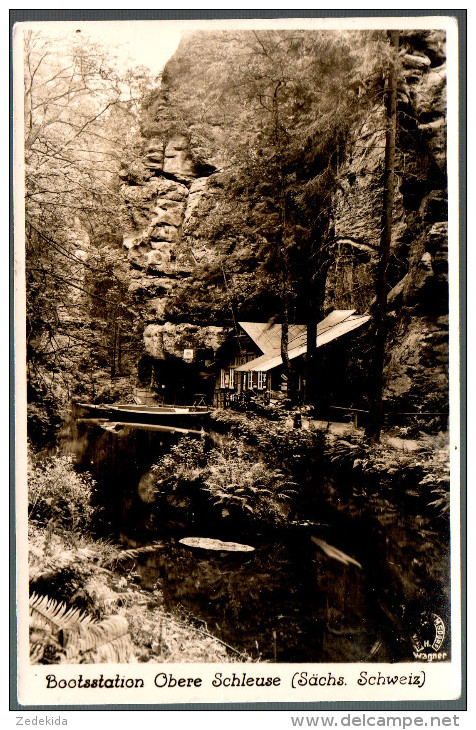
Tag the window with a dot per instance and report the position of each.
(250, 379)
(231, 379)
(224, 378)
(261, 380)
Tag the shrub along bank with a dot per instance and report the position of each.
(389, 469)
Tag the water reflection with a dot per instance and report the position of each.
(119, 457)
(283, 603)
(287, 601)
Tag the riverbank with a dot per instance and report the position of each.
(416, 466)
(383, 505)
(86, 603)
(312, 590)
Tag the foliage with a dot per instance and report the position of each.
(57, 493)
(75, 601)
(294, 450)
(303, 454)
(72, 568)
(162, 636)
(79, 119)
(183, 463)
(237, 480)
(85, 605)
(91, 584)
(423, 472)
(59, 634)
(235, 477)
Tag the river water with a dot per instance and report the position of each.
(287, 601)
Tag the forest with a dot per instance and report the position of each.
(276, 197)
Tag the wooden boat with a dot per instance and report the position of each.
(180, 416)
(208, 543)
(166, 415)
(93, 410)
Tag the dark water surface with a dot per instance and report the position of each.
(287, 601)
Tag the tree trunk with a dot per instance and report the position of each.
(287, 297)
(119, 349)
(284, 349)
(310, 369)
(113, 349)
(375, 423)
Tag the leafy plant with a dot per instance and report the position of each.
(184, 463)
(233, 473)
(73, 568)
(61, 634)
(56, 492)
(237, 480)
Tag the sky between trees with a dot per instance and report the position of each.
(143, 43)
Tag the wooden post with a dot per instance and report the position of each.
(275, 646)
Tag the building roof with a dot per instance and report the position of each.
(268, 336)
(336, 324)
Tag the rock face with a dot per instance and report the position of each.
(156, 216)
(172, 339)
(417, 365)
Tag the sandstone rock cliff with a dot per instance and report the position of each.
(417, 367)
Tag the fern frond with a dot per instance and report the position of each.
(135, 552)
(49, 614)
(42, 641)
(74, 636)
(78, 558)
(106, 641)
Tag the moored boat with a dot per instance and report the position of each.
(159, 414)
(92, 410)
(153, 414)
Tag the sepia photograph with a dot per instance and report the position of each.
(234, 305)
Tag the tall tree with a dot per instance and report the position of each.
(375, 423)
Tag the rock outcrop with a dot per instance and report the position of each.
(157, 217)
(417, 367)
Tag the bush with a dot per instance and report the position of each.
(294, 450)
(234, 475)
(56, 492)
(237, 480)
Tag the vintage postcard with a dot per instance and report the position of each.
(237, 361)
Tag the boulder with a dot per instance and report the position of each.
(169, 213)
(198, 192)
(429, 97)
(416, 60)
(150, 287)
(154, 155)
(172, 339)
(417, 369)
(438, 247)
(169, 190)
(155, 309)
